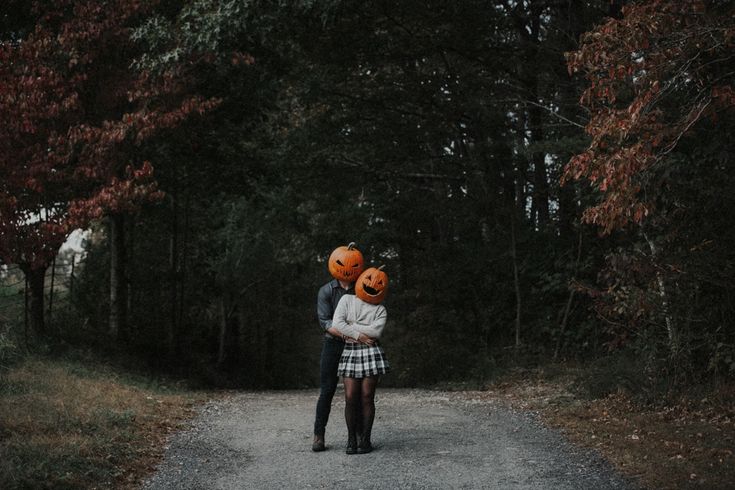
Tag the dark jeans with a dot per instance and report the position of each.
(331, 352)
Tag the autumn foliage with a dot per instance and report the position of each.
(74, 117)
(655, 76)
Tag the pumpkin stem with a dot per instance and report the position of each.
(351, 246)
(381, 267)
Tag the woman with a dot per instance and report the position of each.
(361, 320)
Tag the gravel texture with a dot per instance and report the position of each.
(424, 439)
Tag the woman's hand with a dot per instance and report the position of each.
(364, 339)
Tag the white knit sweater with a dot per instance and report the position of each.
(354, 316)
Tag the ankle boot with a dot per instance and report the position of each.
(318, 444)
(351, 444)
(364, 446)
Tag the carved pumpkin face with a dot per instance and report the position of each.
(372, 285)
(346, 263)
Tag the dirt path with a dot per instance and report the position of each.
(423, 439)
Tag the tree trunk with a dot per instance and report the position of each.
(51, 290)
(223, 316)
(173, 325)
(540, 202)
(568, 92)
(516, 277)
(36, 280)
(570, 298)
(71, 276)
(129, 268)
(183, 262)
(671, 328)
(520, 195)
(25, 311)
(118, 283)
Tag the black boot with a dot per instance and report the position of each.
(364, 445)
(318, 444)
(351, 444)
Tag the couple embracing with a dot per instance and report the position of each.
(350, 312)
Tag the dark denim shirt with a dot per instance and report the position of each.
(327, 300)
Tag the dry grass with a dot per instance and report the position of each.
(685, 443)
(65, 425)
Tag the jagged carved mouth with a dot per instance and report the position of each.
(369, 290)
(345, 270)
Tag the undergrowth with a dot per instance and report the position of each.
(71, 423)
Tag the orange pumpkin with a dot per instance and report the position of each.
(372, 285)
(346, 263)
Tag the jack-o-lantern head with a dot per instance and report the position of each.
(346, 263)
(372, 285)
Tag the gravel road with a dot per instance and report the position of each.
(424, 439)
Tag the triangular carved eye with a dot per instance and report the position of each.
(355, 265)
(380, 283)
(369, 278)
(340, 263)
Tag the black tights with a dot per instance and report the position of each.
(360, 406)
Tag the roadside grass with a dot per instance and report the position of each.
(684, 444)
(69, 424)
(683, 440)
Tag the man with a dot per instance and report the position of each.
(345, 265)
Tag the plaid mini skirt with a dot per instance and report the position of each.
(361, 361)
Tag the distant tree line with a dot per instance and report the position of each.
(543, 180)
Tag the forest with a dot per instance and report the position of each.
(545, 181)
